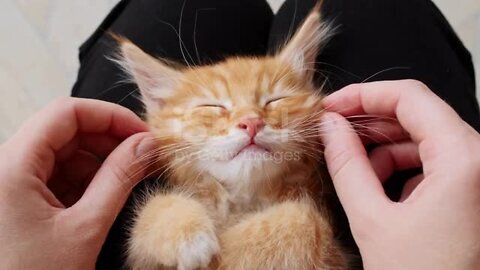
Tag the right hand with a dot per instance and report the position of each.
(64, 177)
(436, 225)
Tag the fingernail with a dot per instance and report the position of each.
(145, 146)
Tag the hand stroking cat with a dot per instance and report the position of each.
(239, 143)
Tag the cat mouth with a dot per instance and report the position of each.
(252, 149)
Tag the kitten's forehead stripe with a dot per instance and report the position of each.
(221, 80)
(247, 112)
(209, 93)
(220, 87)
(265, 84)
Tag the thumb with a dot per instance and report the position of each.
(355, 181)
(121, 171)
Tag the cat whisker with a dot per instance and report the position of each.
(182, 45)
(382, 71)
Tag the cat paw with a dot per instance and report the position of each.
(172, 231)
(198, 251)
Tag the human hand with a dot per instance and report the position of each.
(58, 199)
(436, 225)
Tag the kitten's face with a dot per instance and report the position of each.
(241, 118)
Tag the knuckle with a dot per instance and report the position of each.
(465, 147)
(87, 226)
(416, 84)
(370, 223)
(62, 104)
(466, 143)
(122, 176)
(354, 87)
(90, 228)
(429, 149)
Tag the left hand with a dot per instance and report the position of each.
(58, 198)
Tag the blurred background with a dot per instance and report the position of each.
(38, 55)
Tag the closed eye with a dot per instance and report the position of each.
(212, 106)
(273, 100)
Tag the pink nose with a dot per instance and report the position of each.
(251, 125)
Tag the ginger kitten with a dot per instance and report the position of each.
(239, 141)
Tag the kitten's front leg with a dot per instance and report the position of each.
(172, 230)
(292, 235)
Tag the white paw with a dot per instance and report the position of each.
(198, 251)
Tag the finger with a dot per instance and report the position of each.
(100, 145)
(418, 110)
(56, 125)
(356, 184)
(410, 186)
(388, 159)
(379, 131)
(59, 122)
(111, 186)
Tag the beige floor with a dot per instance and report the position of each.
(38, 51)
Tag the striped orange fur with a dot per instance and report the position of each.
(238, 201)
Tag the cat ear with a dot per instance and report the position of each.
(302, 50)
(155, 79)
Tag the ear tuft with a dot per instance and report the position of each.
(302, 50)
(118, 38)
(155, 79)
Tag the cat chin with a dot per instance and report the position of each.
(246, 169)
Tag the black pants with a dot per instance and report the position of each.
(376, 40)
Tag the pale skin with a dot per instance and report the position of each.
(50, 216)
(57, 203)
(436, 224)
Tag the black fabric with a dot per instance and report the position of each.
(375, 40)
(389, 40)
(210, 30)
